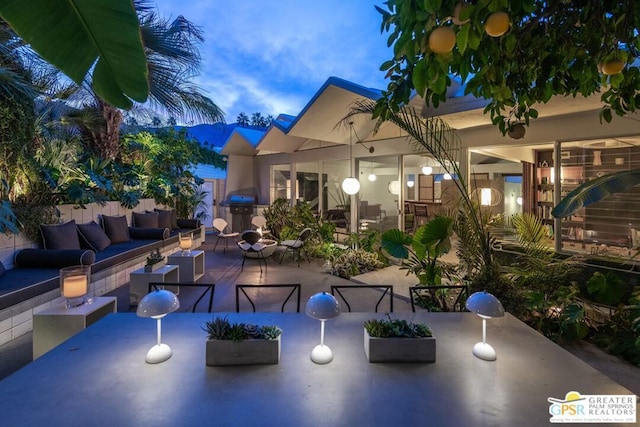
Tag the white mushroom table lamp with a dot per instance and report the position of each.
(156, 305)
(322, 306)
(486, 306)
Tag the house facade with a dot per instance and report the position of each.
(306, 158)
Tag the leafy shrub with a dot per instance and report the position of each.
(355, 261)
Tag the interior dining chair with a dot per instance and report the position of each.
(362, 294)
(296, 246)
(221, 231)
(250, 243)
(266, 295)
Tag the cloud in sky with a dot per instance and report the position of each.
(272, 57)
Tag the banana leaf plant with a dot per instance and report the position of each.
(596, 190)
(420, 252)
(96, 37)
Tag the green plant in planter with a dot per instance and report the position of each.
(220, 328)
(396, 328)
(154, 257)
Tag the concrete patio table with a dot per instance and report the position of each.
(99, 377)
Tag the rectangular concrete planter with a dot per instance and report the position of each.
(245, 352)
(399, 349)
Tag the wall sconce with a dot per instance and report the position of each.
(485, 196)
(394, 187)
(486, 306)
(74, 284)
(322, 306)
(156, 305)
(186, 241)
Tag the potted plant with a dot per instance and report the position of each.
(395, 340)
(154, 261)
(241, 343)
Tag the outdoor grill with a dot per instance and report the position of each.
(241, 208)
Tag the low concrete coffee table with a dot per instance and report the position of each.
(191, 265)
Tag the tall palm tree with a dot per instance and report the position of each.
(242, 120)
(173, 59)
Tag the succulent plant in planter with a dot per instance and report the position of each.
(241, 343)
(154, 261)
(396, 340)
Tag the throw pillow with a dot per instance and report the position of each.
(60, 236)
(116, 228)
(144, 220)
(164, 219)
(94, 236)
(174, 218)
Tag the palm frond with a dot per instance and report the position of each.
(595, 191)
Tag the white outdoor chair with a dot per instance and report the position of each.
(297, 245)
(221, 231)
(251, 243)
(259, 223)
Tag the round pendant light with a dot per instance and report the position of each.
(350, 185)
(427, 170)
(373, 177)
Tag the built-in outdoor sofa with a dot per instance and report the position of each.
(34, 278)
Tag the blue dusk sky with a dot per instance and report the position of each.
(273, 56)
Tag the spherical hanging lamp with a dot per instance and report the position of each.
(446, 177)
(373, 177)
(497, 24)
(351, 185)
(427, 170)
(442, 40)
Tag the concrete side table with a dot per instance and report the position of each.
(55, 325)
(191, 266)
(140, 279)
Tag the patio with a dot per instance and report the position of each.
(223, 269)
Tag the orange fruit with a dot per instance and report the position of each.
(497, 24)
(612, 67)
(456, 14)
(442, 40)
